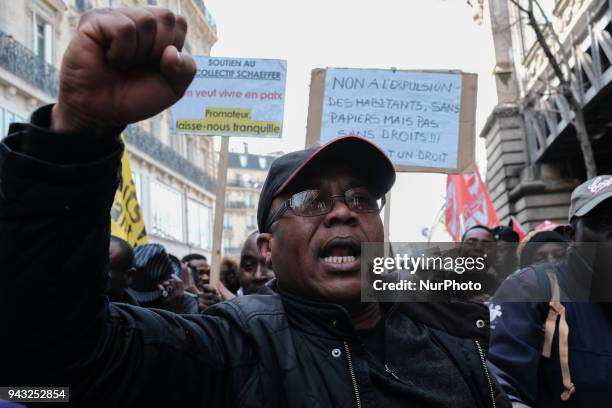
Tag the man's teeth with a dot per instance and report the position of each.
(339, 259)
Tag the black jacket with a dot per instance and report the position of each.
(264, 350)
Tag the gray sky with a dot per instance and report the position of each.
(406, 34)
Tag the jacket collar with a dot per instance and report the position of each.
(319, 318)
(463, 319)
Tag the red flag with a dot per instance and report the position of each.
(468, 203)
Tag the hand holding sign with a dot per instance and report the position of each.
(123, 65)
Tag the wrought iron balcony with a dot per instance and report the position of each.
(238, 204)
(23, 63)
(147, 143)
(244, 183)
(209, 17)
(547, 112)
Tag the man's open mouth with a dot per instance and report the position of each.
(341, 251)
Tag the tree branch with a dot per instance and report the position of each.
(518, 5)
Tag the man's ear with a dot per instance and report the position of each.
(129, 276)
(264, 246)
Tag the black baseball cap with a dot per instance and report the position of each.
(505, 233)
(359, 154)
(589, 195)
(153, 266)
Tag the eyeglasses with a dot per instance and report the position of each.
(312, 203)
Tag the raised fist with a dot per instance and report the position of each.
(122, 66)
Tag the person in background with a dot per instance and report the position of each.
(254, 270)
(188, 275)
(478, 241)
(121, 271)
(157, 283)
(207, 294)
(200, 264)
(230, 271)
(542, 247)
(506, 261)
(551, 323)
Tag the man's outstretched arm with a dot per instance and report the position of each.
(58, 177)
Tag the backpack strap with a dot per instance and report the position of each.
(557, 311)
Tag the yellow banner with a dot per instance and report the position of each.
(126, 218)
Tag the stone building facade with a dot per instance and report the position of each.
(534, 160)
(175, 175)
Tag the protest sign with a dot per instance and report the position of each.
(424, 120)
(233, 97)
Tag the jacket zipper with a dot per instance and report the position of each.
(486, 371)
(352, 372)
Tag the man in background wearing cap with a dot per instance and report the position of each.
(559, 354)
(307, 341)
(157, 283)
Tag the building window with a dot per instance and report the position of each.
(137, 185)
(82, 5)
(166, 211)
(227, 243)
(199, 224)
(155, 124)
(190, 148)
(251, 221)
(262, 162)
(6, 118)
(226, 221)
(176, 142)
(42, 38)
(204, 163)
(243, 160)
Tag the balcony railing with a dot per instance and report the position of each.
(238, 204)
(209, 17)
(244, 183)
(23, 63)
(147, 143)
(549, 114)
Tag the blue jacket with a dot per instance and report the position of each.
(517, 338)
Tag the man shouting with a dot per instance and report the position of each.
(305, 340)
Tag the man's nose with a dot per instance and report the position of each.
(340, 212)
(258, 271)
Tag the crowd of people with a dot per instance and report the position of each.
(148, 276)
(550, 314)
(130, 327)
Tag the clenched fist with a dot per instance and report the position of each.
(123, 65)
